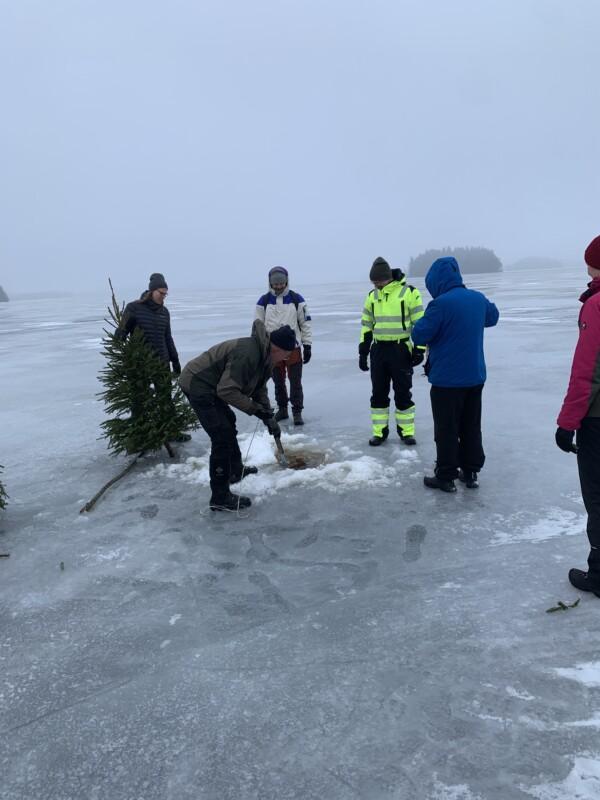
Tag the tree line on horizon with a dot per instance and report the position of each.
(470, 259)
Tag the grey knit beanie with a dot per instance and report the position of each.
(157, 281)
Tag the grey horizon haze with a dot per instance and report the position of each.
(213, 140)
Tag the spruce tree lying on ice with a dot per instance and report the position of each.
(146, 409)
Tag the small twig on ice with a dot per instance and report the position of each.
(560, 606)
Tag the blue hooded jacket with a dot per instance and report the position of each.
(452, 327)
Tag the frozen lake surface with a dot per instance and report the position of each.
(354, 636)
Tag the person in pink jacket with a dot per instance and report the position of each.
(580, 413)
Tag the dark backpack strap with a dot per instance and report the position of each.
(295, 299)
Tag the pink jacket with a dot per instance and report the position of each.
(583, 395)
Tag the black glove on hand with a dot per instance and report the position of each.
(264, 414)
(418, 356)
(307, 353)
(363, 362)
(176, 368)
(564, 439)
(273, 427)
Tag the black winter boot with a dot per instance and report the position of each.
(237, 473)
(408, 440)
(298, 418)
(282, 413)
(375, 441)
(434, 482)
(468, 478)
(229, 502)
(581, 580)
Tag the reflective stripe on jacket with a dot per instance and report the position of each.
(390, 313)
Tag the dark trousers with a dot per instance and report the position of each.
(457, 430)
(218, 420)
(391, 363)
(588, 462)
(294, 372)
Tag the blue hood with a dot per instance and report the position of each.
(443, 275)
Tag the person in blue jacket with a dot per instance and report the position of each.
(452, 328)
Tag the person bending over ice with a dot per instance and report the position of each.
(234, 373)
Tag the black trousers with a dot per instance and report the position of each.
(588, 462)
(294, 373)
(391, 363)
(457, 430)
(218, 420)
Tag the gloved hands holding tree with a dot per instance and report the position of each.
(564, 439)
(307, 353)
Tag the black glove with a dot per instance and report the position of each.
(418, 356)
(564, 439)
(363, 362)
(176, 368)
(273, 427)
(264, 413)
(307, 353)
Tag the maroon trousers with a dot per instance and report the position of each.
(293, 368)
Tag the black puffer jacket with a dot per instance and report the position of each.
(154, 321)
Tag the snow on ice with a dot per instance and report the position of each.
(353, 636)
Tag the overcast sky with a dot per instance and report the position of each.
(211, 140)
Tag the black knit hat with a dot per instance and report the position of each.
(157, 281)
(380, 271)
(284, 338)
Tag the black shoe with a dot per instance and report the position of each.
(298, 418)
(229, 502)
(183, 437)
(581, 580)
(282, 413)
(408, 440)
(236, 477)
(434, 482)
(375, 441)
(468, 478)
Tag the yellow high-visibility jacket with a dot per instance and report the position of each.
(390, 313)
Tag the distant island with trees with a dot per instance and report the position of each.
(470, 259)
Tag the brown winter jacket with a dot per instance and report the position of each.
(236, 371)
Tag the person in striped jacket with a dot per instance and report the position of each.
(580, 416)
(278, 307)
(390, 311)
